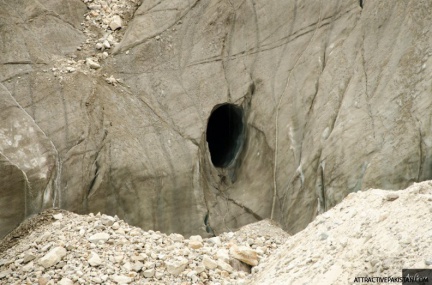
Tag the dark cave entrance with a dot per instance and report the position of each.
(225, 134)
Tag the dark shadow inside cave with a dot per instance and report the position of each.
(225, 134)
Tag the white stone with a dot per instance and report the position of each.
(176, 266)
(200, 268)
(99, 46)
(176, 237)
(115, 226)
(116, 23)
(208, 262)
(214, 240)
(121, 279)
(94, 259)
(99, 237)
(92, 64)
(196, 238)
(106, 44)
(58, 216)
(127, 266)
(107, 220)
(52, 257)
(137, 266)
(223, 254)
(149, 273)
(66, 281)
(195, 244)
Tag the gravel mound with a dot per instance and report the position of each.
(374, 233)
(65, 248)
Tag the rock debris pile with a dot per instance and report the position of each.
(375, 233)
(103, 26)
(100, 249)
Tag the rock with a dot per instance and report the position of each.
(244, 254)
(28, 267)
(224, 266)
(159, 275)
(176, 266)
(137, 266)
(106, 44)
(111, 80)
(237, 265)
(391, 197)
(52, 257)
(58, 216)
(208, 262)
(196, 238)
(43, 280)
(94, 259)
(28, 257)
(116, 23)
(99, 237)
(176, 237)
(121, 279)
(108, 221)
(323, 236)
(215, 240)
(4, 273)
(200, 268)
(115, 226)
(223, 254)
(149, 273)
(66, 281)
(195, 244)
(99, 46)
(92, 64)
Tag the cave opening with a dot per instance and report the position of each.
(225, 134)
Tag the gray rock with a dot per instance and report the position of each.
(92, 64)
(52, 257)
(108, 221)
(116, 23)
(28, 257)
(99, 237)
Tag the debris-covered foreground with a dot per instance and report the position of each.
(99, 249)
(374, 233)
